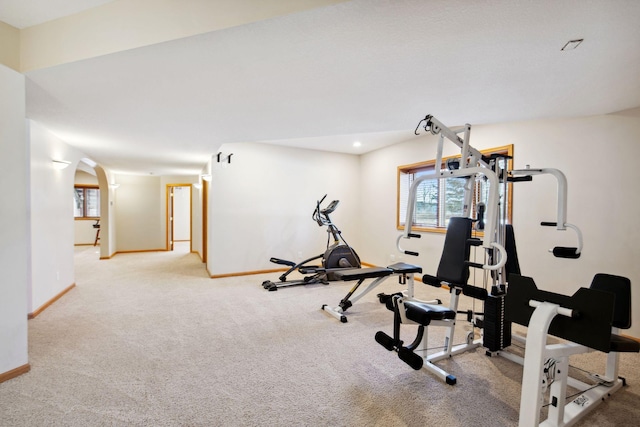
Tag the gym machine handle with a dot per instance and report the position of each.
(563, 251)
(473, 264)
(503, 258)
(480, 216)
(567, 312)
(282, 262)
(402, 251)
(526, 178)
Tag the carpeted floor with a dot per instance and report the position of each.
(149, 340)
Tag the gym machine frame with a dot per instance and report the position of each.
(471, 165)
(546, 305)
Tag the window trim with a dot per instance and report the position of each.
(416, 167)
(84, 210)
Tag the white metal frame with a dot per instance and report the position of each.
(561, 222)
(449, 348)
(339, 313)
(471, 165)
(536, 352)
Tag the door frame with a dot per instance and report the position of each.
(169, 218)
(205, 220)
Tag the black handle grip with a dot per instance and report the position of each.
(428, 279)
(481, 208)
(411, 253)
(474, 241)
(473, 264)
(564, 252)
(520, 178)
(415, 236)
(548, 224)
(282, 262)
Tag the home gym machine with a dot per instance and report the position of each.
(338, 255)
(475, 165)
(588, 321)
(453, 270)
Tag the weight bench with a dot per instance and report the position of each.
(589, 321)
(403, 271)
(453, 271)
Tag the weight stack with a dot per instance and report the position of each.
(497, 331)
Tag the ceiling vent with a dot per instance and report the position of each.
(572, 44)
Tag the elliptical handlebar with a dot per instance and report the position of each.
(321, 216)
(316, 212)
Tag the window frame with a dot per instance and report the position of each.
(430, 165)
(84, 188)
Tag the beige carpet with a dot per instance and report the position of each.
(149, 340)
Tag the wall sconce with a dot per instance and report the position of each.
(206, 176)
(114, 185)
(224, 159)
(60, 164)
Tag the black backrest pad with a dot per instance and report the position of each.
(452, 267)
(621, 287)
(512, 266)
(591, 327)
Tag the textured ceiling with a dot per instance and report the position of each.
(365, 69)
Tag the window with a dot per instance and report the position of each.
(86, 201)
(437, 200)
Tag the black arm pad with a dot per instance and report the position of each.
(564, 252)
(431, 280)
(475, 292)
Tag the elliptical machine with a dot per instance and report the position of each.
(338, 255)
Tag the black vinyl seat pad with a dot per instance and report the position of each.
(423, 313)
(404, 268)
(349, 274)
(361, 273)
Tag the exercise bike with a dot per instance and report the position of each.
(338, 255)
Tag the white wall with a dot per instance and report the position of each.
(261, 205)
(52, 222)
(598, 156)
(141, 211)
(9, 46)
(83, 232)
(196, 218)
(14, 222)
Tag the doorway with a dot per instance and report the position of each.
(179, 217)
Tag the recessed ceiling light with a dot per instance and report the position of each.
(572, 44)
(357, 144)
